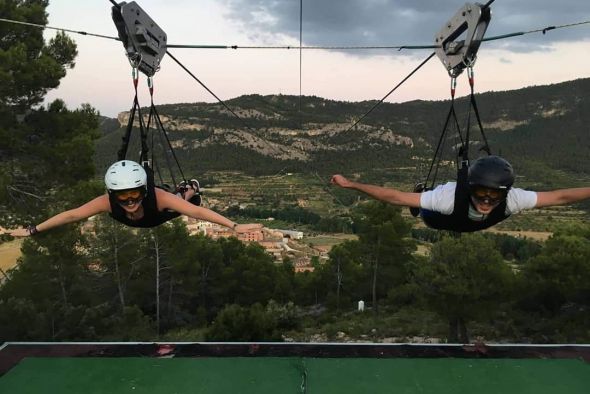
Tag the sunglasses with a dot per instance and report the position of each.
(488, 196)
(131, 195)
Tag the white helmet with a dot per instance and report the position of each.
(125, 174)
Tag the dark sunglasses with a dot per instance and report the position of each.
(487, 195)
(129, 196)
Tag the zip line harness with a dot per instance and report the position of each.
(456, 56)
(145, 44)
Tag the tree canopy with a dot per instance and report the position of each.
(34, 138)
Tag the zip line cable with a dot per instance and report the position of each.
(209, 90)
(300, 53)
(244, 123)
(543, 30)
(58, 28)
(301, 48)
(391, 91)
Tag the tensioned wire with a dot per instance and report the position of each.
(543, 30)
(301, 47)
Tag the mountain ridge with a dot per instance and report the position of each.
(542, 129)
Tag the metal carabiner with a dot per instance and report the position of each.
(135, 59)
(470, 62)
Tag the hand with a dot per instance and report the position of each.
(17, 232)
(246, 228)
(341, 181)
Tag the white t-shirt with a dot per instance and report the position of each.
(442, 199)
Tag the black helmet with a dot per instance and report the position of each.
(491, 171)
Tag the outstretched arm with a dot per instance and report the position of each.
(168, 200)
(562, 196)
(91, 208)
(389, 195)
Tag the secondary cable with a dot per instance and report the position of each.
(543, 30)
(391, 91)
(209, 90)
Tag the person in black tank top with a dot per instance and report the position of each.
(134, 200)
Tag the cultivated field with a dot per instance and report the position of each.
(9, 253)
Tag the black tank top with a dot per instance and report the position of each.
(151, 216)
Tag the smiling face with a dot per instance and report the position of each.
(130, 199)
(485, 199)
(483, 207)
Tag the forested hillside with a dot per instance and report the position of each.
(543, 130)
(99, 280)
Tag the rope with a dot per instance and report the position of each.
(391, 91)
(209, 90)
(543, 30)
(300, 53)
(399, 47)
(440, 146)
(327, 190)
(471, 75)
(465, 143)
(488, 4)
(58, 29)
(163, 131)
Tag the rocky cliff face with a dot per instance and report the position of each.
(276, 142)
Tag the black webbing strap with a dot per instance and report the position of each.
(438, 154)
(473, 106)
(486, 147)
(165, 134)
(153, 121)
(122, 153)
(164, 141)
(463, 152)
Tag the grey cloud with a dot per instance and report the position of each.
(405, 22)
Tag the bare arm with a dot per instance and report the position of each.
(168, 200)
(562, 196)
(91, 208)
(388, 195)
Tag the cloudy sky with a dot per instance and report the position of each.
(102, 73)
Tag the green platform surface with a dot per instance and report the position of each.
(262, 375)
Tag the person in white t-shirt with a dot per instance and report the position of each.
(482, 196)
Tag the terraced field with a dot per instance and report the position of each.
(9, 253)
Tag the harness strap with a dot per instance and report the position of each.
(435, 163)
(154, 117)
(122, 153)
(473, 105)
